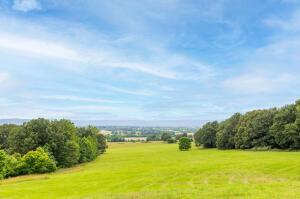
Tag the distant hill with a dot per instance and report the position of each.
(144, 123)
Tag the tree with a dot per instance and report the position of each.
(88, 149)
(21, 141)
(254, 129)
(4, 132)
(38, 161)
(206, 135)
(87, 131)
(184, 144)
(101, 143)
(226, 132)
(62, 140)
(282, 127)
(70, 154)
(38, 128)
(165, 136)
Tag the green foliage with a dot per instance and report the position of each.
(206, 135)
(171, 140)
(88, 149)
(4, 132)
(178, 136)
(21, 141)
(38, 161)
(254, 128)
(62, 139)
(101, 143)
(14, 165)
(165, 136)
(2, 163)
(226, 132)
(153, 137)
(70, 154)
(44, 143)
(185, 144)
(283, 126)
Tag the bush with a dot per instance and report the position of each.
(171, 141)
(38, 161)
(14, 165)
(184, 144)
(2, 163)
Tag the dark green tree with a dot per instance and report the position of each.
(226, 132)
(206, 136)
(185, 144)
(254, 129)
(70, 154)
(165, 136)
(282, 127)
(62, 139)
(4, 132)
(21, 141)
(88, 149)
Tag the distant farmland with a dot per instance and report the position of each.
(158, 170)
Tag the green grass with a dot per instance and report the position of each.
(157, 170)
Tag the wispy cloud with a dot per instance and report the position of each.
(288, 24)
(77, 98)
(26, 5)
(127, 91)
(258, 83)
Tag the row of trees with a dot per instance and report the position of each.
(41, 145)
(268, 128)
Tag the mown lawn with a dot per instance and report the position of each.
(158, 170)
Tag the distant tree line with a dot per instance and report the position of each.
(41, 145)
(268, 129)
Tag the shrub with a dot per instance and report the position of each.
(2, 163)
(171, 141)
(14, 165)
(38, 161)
(184, 144)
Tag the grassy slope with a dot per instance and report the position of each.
(156, 170)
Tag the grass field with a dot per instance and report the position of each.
(157, 170)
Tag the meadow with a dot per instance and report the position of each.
(159, 170)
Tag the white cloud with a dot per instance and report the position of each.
(257, 83)
(127, 91)
(5, 80)
(76, 98)
(290, 24)
(45, 48)
(26, 5)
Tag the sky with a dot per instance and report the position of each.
(147, 59)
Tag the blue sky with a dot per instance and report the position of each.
(167, 59)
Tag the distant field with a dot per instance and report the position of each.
(157, 170)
